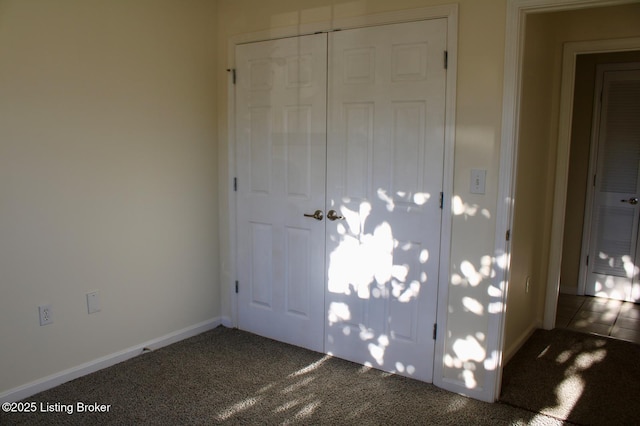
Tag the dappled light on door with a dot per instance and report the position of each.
(375, 281)
(614, 276)
(363, 264)
(385, 170)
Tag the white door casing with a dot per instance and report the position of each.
(384, 176)
(281, 150)
(612, 269)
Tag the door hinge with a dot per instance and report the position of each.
(233, 74)
(508, 235)
(235, 184)
(587, 260)
(435, 331)
(236, 287)
(594, 180)
(446, 59)
(441, 199)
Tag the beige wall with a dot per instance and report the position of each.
(579, 161)
(108, 177)
(546, 33)
(535, 168)
(478, 121)
(114, 171)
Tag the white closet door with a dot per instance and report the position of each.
(613, 258)
(281, 154)
(384, 176)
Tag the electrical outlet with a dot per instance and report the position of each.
(46, 316)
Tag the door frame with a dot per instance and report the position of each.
(593, 164)
(449, 12)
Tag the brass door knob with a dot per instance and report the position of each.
(333, 215)
(317, 215)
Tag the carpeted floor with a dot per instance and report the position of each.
(229, 376)
(582, 378)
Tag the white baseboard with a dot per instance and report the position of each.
(511, 350)
(227, 322)
(48, 382)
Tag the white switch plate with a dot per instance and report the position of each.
(478, 181)
(93, 302)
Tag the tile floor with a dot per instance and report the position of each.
(596, 315)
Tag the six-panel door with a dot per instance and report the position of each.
(384, 175)
(281, 164)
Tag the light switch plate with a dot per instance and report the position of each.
(478, 181)
(93, 302)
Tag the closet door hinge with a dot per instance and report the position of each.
(235, 184)
(508, 235)
(435, 331)
(233, 74)
(236, 287)
(441, 200)
(446, 59)
(587, 260)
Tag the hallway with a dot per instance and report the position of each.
(595, 315)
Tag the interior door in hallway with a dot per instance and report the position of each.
(613, 263)
(384, 178)
(281, 156)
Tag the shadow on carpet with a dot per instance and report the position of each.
(227, 376)
(580, 378)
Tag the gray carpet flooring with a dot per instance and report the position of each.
(227, 376)
(582, 378)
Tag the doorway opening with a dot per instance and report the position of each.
(584, 258)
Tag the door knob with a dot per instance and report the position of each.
(333, 215)
(630, 201)
(317, 215)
